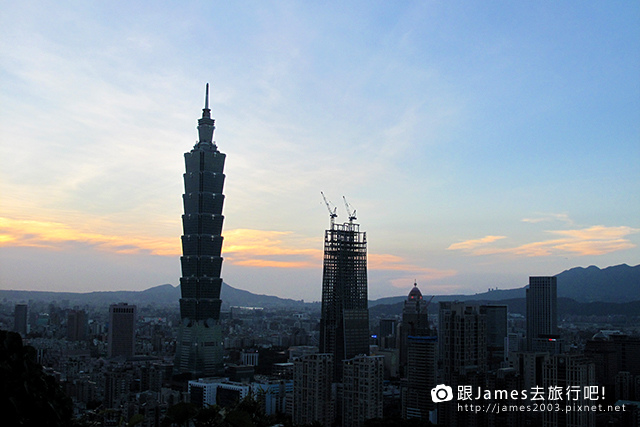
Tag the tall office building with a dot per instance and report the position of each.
(122, 330)
(570, 374)
(422, 364)
(462, 347)
(614, 353)
(542, 313)
(313, 398)
(117, 386)
(344, 323)
(496, 317)
(76, 325)
(199, 344)
(388, 334)
(414, 314)
(415, 322)
(20, 319)
(462, 338)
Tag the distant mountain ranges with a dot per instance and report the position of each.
(620, 283)
(162, 295)
(606, 291)
(587, 291)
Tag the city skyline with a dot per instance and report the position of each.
(480, 143)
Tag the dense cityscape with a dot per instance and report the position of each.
(338, 363)
(264, 348)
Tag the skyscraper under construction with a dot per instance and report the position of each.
(199, 345)
(344, 325)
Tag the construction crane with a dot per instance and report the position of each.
(332, 213)
(352, 214)
(424, 310)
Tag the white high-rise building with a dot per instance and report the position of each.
(362, 379)
(313, 397)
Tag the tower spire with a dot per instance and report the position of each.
(206, 112)
(206, 125)
(206, 98)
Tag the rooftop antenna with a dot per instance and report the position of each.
(332, 213)
(206, 99)
(352, 214)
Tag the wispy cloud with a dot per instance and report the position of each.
(242, 247)
(266, 248)
(474, 243)
(55, 235)
(408, 272)
(595, 240)
(548, 217)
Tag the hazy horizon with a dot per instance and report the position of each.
(306, 301)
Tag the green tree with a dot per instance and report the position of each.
(180, 414)
(135, 420)
(29, 397)
(395, 422)
(210, 416)
(246, 413)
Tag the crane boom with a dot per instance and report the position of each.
(424, 310)
(352, 214)
(332, 213)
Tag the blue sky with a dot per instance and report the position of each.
(480, 142)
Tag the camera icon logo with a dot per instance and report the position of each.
(441, 393)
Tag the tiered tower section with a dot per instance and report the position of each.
(199, 346)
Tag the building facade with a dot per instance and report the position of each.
(313, 396)
(270, 394)
(199, 345)
(462, 348)
(122, 330)
(422, 364)
(496, 318)
(20, 316)
(462, 338)
(570, 374)
(344, 323)
(77, 325)
(612, 354)
(415, 322)
(542, 313)
(362, 389)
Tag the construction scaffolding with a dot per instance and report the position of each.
(344, 330)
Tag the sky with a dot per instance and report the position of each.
(479, 142)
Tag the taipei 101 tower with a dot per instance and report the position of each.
(199, 345)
